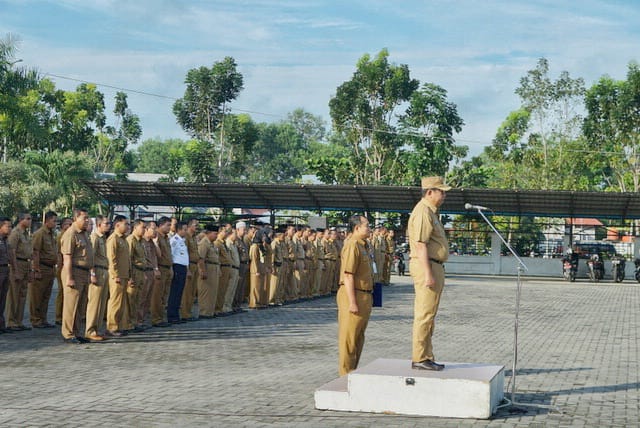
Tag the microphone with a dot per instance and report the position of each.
(468, 206)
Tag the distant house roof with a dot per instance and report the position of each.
(584, 222)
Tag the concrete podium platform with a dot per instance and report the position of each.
(461, 390)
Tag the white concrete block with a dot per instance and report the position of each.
(461, 390)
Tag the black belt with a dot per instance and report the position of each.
(300, 258)
(23, 260)
(101, 267)
(364, 291)
(436, 261)
(143, 269)
(165, 266)
(48, 265)
(244, 263)
(278, 264)
(211, 263)
(86, 269)
(4, 265)
(236, 267)
(225, 265)
(193, 263)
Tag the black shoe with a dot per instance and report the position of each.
(427, 365)
(48, 325)
(72, 341)
(5, 330)
(138, 329)
(82, 340)
(207, 317)
(161, 324)
(114, 333)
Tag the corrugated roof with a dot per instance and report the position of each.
(322, 197)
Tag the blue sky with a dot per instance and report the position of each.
(295, 53)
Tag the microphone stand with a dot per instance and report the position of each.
(521, 267)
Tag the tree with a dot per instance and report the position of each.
(612, 127)
(110, 150)
(202, 109)
(428, 126)
(155, 155)
(364, 108)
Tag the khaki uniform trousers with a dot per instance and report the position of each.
(189, 293)
(425, 309)
(241, 288)
(328, 276)
(299, 289)
(160, 296)
(223, 284)
(208, 291)
(387, 269)
(39, 295)
(351, 328)
(73, 302)
(276, 285)
(97, 296)
(134, 298)
(311, 280)
(59, 296)
(117, 304)
(230, 294)
(288, 280)
(319, 274)
(256, 282)
(4, 289)
(17, 296)
(144, 306)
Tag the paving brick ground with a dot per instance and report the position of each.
(578, 354)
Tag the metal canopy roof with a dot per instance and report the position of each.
(369, 198)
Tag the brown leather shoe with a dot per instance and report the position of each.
(95, 338)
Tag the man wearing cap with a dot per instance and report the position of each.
(429, 250)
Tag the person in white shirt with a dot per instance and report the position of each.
(180, 256)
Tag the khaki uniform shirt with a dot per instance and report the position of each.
(279, 252)
(20, 241)
(290, 248)
(4, 251)
(99, 244)
(330, 250)
(150, 253)
(165, 259)
(75, 243)
(223, 253)
(233, 253)
(137, 253)
(208, 251)
(425, 226)
(44, 242)
(119, 256)
(356, 261)
(192, 248)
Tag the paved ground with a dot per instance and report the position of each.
(578, 354)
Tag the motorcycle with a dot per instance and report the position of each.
(596, 267)
(637, 263)
(618, 264)
(570, 266)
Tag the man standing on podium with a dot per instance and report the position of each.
(429, 250)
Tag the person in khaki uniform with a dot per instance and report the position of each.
(136, 287)
(391, 251)
(64, 225)
(429, 250)
(234, 276)
(354, 296)
(21, 250)
(330, 260)
(291, 292)
(300, 273)
(151, 274)
(77, 273)
(44, 259)
(277, 280)
(225, 267)
(160, 294)
(208, 281)
(119, 258)
(256, 270)
(267, 266)
(99, 290)
(320, 266)
(196, 265)
(243, 252)
(6, 267)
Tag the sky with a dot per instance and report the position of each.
(296, 53)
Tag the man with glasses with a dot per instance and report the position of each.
(21, 252)
(429, 250)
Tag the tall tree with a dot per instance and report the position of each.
(205, 103)
(364, 109)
